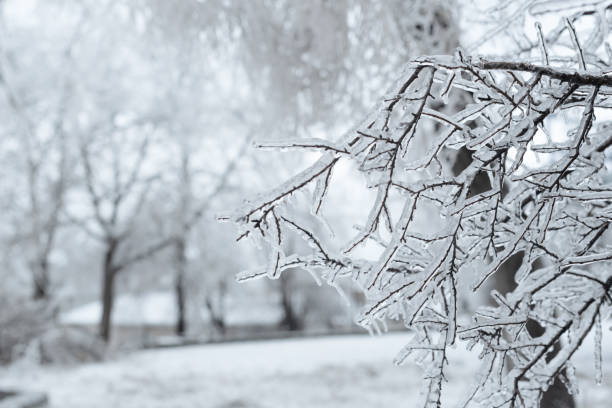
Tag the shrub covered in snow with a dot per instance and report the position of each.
(21, 322)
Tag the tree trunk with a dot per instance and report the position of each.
(179, 287)
(291, 320)
(41, 280)
(216, 310)
(108, 287)
(216, 316)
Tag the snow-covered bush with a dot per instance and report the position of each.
(69, 345)
(536, 188)
(28, 333)
(21, 322)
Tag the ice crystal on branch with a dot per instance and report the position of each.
(525, 192)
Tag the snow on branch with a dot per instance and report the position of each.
(523, 193)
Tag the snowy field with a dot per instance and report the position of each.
(344, 371)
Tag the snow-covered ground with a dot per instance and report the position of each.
(328, 372)
(159, 309)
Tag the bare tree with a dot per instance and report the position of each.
(46, 157)
(116, 200)
(191, 210)
(46, 185)
(547, 202)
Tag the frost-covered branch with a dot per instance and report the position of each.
(526, 193)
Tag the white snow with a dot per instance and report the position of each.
(328, 372)
(159, 309)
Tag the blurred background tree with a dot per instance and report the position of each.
(126, 127)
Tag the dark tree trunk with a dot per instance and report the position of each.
(41, 281)
(557, 395)
(179, 287)
(291, 320)
(217, 311)
(108, 287)
(216, 319)
(219, 325)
